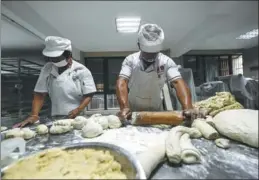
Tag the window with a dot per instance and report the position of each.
(237, 64)
(224, 66)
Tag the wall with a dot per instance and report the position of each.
(250, 59)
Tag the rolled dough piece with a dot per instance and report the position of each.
(209, 120)
(189, 154)
(103, 121)
(239, 124)
(114, 121)
(152, 157)
(3, 128)
(56, 129)
(28, 134)
(16, 132)
(42, 129)
(63, 122)
(222, 143)
(207, 131)
(91, 130)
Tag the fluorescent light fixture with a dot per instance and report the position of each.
(249, 35)
(127, 25)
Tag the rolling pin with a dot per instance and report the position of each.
(152, 118)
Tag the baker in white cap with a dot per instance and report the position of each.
(145, 72)
(69, 84)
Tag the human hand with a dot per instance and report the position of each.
(124, 114)
(30, 120)
(72, 114)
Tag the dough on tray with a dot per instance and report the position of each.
(12, 133)
(189, 154)
(42, 129)
(238, 124)
(56, 129)
(91, 130)
(222, 143)
(114, 121)
(63, 122)
(207, 131)
(28, 133)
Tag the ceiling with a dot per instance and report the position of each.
(188, 25)
(15, 37)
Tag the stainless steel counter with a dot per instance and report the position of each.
(239, 161)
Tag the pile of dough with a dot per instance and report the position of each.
(103, 121)
(240, 125)
(114, 121)
(173, 149)
(28, 134)
(189, 154)
(222, 143)
(94, 116)
(79, 122)
(12, 133)
(54, 129)
(63, 122)
(92, 129)
(207, 131)
(42, 129)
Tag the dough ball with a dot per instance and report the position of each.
(222, 143)
(79, 122)
(16, 132)
(3, 128)
(95, 115)
(80, 118)
(28, 134)
(195, 133)
(42, 129)
(103, 121)
(63, 122)
(114, 121)
(55, 129)
(91, 130)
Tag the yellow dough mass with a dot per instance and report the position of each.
(67, 164)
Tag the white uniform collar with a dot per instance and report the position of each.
(54, 69)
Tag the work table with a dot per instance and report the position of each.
(239, 161)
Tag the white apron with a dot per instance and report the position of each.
(65, 92)
(145, 91)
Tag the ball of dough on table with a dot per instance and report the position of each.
(42, 129)
(28, 133)
(114, 121)
(12, 133)
(91, 130)
(55, 129)
(222, 143)
(63, 122)
(95, 115)
(103, 121)
(79, 122)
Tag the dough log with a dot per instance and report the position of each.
(63, 122)
(222, 143)
(207, 131)
(54, 129)
(189, 154)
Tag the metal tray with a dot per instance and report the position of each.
(130, 165)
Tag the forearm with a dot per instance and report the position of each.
(122, 92)
(37, 103)
(183, 93)
(85, 101)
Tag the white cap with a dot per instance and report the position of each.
(151, 38)
(55, 46)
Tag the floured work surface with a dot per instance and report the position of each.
(239, 161)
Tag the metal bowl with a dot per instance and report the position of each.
(130, 165)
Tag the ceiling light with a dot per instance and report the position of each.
(127, 25)
(249, 35)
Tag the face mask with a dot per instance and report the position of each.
(61, 63)
(150, 60)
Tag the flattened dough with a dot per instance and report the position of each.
(55, 129)
(238, 124)
(207, 131)
(114, 121)
(28, 134)
(91, 130)
(222, 143)
(42, 129)
(189, 154)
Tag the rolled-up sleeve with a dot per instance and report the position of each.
(126, 68)
(172, 71)
(41, 85)
(87, 82)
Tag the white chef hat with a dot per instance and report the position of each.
(55, 46)
(151, 38)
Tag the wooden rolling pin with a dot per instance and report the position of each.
(152, 118)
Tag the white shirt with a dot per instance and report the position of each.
(66, 90)
(165, 67)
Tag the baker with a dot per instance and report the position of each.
(69, 84)
(145, 72)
